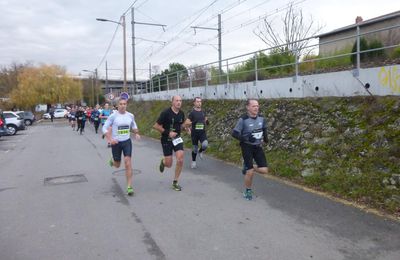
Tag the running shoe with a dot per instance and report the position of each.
(162, 166)
(176, 186)
(201, 155)
(248, 194)
(193, 165)
(111, 162)
(129, 191)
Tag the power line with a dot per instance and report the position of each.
(175, 37)
(109, 46)
(240, 26)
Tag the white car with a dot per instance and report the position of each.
(58, 113)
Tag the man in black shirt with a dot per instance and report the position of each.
(197, 118)
(169, 124)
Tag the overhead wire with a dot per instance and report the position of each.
(240, 26)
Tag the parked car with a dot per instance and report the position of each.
(3, 127)
(28, 117)
(14, 122)
(58, 113)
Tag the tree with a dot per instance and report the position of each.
(9, 78)
(172, 73)
(295, 30)
(47, 84)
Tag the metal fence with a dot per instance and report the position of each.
(280, 62)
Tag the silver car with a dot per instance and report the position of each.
(14, 122)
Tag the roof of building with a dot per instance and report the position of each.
(364, 23)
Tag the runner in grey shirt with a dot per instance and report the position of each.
(251, 131)
(117, 129)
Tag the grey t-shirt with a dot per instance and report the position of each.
(121, 125)
(251, 126)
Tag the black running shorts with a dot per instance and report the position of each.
(198, 137)
(124, 146)
(168, 147)
(253, 152)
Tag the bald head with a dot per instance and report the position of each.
(176, 102)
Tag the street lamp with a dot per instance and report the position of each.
(95, 77)
(124, 39)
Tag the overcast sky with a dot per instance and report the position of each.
(66, 33)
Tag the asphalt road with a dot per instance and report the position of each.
(92, 218)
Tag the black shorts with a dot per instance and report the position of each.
(198, 136)
(117, 149)
(253, 152)
(168, 147)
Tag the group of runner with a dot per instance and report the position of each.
(250, 130)
(78, 115)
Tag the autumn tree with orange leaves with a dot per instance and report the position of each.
(47, 84)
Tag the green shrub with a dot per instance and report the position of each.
(377, 54)
(396, 53)
(363, 47)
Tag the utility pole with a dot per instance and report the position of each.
(133, 42)
(95, 84)
(219, 42)
(124, 27)
(107, 90)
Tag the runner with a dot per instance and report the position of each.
(169, 124)
(96, 118)
(197, 118)
(251, 131)
(105, 113)
(117, 129)
(72, 118)
(81, 119)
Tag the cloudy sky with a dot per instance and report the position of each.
(66, 33)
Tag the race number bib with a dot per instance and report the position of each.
(96, 119)
(177, 141)
(72, 116)
(80, 118)
(199, 126)
(257, 134)
(123, 130)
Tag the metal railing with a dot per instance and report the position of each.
(276, 62)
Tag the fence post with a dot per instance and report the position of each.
(177, 79)
(296, 65)
(256, 67)
(227, 72)
(159, 84)
(190, 80)
(357, 72)
(167, 83)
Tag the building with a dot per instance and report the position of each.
(333, 42)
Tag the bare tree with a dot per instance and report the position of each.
(296, 32)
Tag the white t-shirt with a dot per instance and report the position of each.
(121, 125)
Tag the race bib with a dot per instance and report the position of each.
(177, 141)
(80, 118)
(199, 126)
(72, 116)
(257, 134)
(96, 119)
(123, 130)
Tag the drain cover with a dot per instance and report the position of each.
(65, 179)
